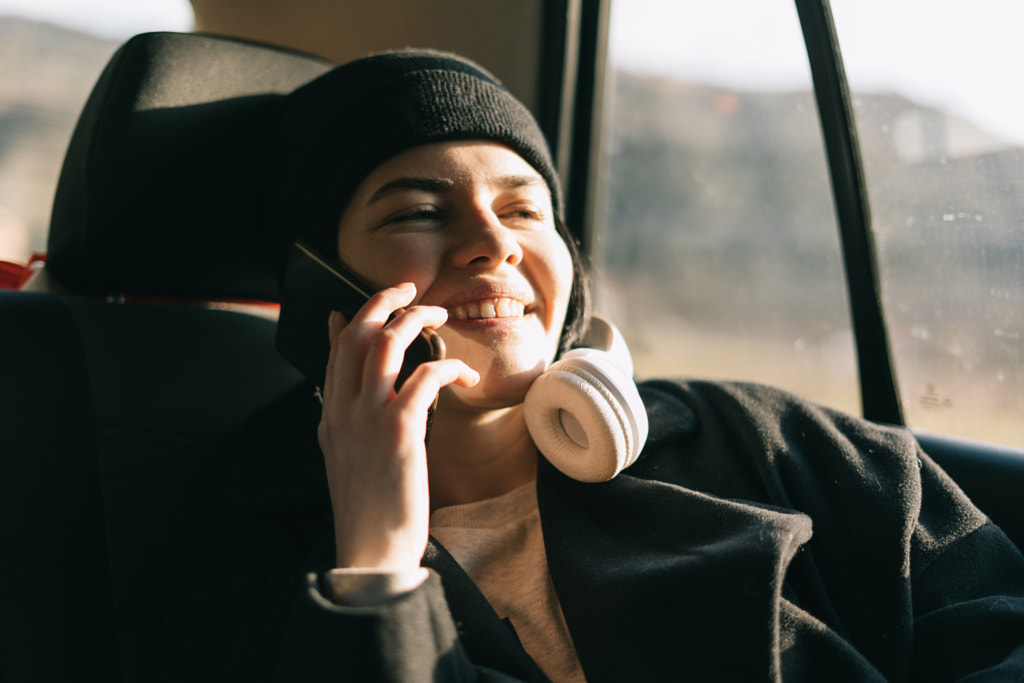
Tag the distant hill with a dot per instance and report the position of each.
(46, 74)
(707, 185)
(699, 164)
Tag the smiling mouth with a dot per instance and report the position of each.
(485, 309)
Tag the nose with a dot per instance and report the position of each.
(484, 242)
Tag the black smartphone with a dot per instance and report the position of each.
(315, 286)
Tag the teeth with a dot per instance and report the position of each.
(489, 308)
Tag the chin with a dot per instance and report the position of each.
(507, 367)
(498, 388)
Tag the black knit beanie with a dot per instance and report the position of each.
(336, 129)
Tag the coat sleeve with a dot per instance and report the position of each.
(968, 587)
(895, 517)
(410, 637)
(901, 562)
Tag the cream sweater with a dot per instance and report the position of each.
(499, 543)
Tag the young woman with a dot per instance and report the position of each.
(758, 536)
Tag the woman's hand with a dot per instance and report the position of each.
(373, 439)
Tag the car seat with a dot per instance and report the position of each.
(123, 383)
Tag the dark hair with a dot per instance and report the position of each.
(577, 316)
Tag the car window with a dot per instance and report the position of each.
(51, 54)
(717, 250)
(940, 118)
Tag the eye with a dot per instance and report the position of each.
(413, 216)
(524, 212)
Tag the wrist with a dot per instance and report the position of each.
(373, 555)
(361, 587)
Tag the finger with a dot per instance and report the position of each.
(387, 351)
(336, 323)
(420, 390)
(350, 340)
(379, 307)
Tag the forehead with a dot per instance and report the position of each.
(457, 162)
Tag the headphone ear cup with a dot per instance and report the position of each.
(586, 416)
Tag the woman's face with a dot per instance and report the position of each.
(471, 225)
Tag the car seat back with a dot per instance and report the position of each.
(58, 614)
(159, 194)
(124, 387)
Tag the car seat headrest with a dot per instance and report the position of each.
(160, 190)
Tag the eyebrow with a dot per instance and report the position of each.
(434, 185)
(513, 181)
(442, 185)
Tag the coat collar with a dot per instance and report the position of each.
(489, 640)
(654, 578)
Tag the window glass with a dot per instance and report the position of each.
(717, 250)
(51, 54)
(940, 115)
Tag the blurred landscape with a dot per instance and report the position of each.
(46, 74)
(716, 244)
(718, 248)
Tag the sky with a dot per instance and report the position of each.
(955, 54)
(961, 55)
(107, 18)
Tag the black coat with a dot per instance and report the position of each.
(758, 537)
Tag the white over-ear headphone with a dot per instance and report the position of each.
(584, 412)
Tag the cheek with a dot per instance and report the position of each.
(390, 262)
(558, 275)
